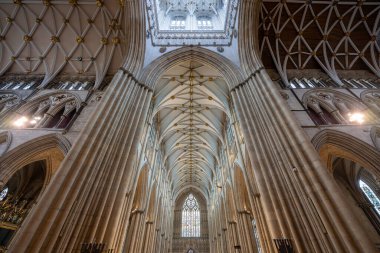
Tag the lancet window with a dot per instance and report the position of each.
(370, 194)
(4, 193)
(204, 23)
(64, 83)
(17, 83)
(191, 220)
(178, 23)
(256, 234)
(328, 108)
(308, 83)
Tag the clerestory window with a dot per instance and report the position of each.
(204, 24)
(177, 23)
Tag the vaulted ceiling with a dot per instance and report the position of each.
(61, 37)
(330, 35)
(191, 106)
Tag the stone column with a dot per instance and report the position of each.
(246, 231)
(87, 199)
(233, 235)
(134, 231)
(148, 236)
(299, 198)
(46, 118)
(225, 240)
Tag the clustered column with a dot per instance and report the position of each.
(87, 200)
(299, 199)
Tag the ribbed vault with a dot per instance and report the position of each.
(191, 106)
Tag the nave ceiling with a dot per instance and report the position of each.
(191, 106)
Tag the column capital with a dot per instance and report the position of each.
(253, 74)
(129, 74)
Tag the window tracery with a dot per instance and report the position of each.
(55, 111)
(7, 101)
(191, 220)
(327, 107)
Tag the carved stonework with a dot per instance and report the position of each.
(69, 106)
(372, 100)
(58, 99)
(7, 101)
(96, 97)
(284, 95)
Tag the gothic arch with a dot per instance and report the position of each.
(198, 195)
(350, 160)
(333, 106)
(154, 70)
(53, 109)
(248, 43)
(193, 187)
(331, 143)
(57, 104)
(52, 148)
(327, 98)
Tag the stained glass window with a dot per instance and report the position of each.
(370, 195)
(191, 220)
(3, 193)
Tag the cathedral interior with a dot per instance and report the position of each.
(189, 126)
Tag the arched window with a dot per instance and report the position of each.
(190, 251)
(256, 234)
(370, 195)
(3, 193)
(191, 220)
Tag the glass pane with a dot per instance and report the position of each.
(370, 195)
(191, 219)
(3, 193)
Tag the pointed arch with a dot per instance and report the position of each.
(191, 219)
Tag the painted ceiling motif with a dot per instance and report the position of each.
(191, 22)
(191, 107)
(61, 37)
